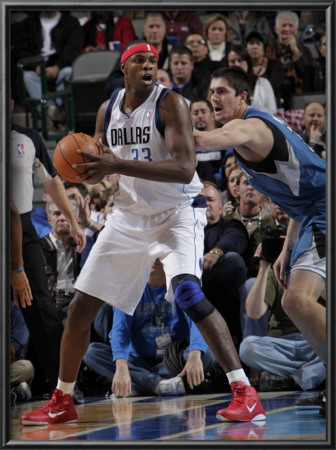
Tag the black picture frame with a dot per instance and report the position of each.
(10, 6)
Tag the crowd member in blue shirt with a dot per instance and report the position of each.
(134, 357)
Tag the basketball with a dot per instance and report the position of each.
(65, 154)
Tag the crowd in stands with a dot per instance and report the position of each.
(237, 278)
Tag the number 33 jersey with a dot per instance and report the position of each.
(140, 137)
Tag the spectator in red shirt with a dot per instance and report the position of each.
(103, 27)
(179, 24)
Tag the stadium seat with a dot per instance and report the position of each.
(89, 73)
(39, 106)
(299, 101)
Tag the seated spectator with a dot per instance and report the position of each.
(59, 38)
(107, 204)
(88, 219)
(243, 22)
(261, 92)
(320, 66)
(283, 357)
(61, 261)
(295, 58)
(181, 64)
(272, 69)
(232, 196)
(95, 192)
(103, 27)
(224, 270)
(309, 21)
(217, 32)
(179, 24)
(21, 369)
(134, 358)
(154, 32)
(61, 264)
(279, 217)
(107, 200)
(314, 127)
(112, 178)
(254, 216)
(227, 162)
(163, 77)
(202, 118)
(199, 49)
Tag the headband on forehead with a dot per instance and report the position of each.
(137, 49)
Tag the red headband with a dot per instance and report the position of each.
(137, 49)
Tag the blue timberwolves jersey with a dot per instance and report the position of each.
(292, 175)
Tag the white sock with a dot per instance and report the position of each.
(66, 388)
(238, 375)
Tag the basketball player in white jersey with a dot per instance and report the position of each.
(146, 135)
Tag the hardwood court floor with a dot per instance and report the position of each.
(175, 419)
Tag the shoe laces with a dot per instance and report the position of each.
(238, 395)
(54, 403)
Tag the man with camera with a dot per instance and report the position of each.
(284, 357)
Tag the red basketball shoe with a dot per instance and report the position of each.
(60, 409)
(244, 407)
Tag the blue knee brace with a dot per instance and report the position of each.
(190, 298)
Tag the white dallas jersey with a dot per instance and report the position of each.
(140, 136)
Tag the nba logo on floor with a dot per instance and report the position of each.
(20, 150)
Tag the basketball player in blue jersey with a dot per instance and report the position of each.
(280, 165)
(146, 135)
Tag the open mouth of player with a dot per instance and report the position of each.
(147, 78)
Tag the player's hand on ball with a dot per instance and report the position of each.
(99, 165)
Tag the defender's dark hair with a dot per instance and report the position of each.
(237, 78)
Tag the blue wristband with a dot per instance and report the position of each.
(18, 270)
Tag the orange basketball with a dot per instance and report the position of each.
(65, 154)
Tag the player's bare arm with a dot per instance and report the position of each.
(251, 138)
(99, 130)
(179, 168)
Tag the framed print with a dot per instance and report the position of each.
(153, 421)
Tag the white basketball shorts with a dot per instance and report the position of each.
(119, 264)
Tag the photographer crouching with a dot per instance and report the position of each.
(283, 358)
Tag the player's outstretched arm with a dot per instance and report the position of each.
(246, 136)
(99, 130)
